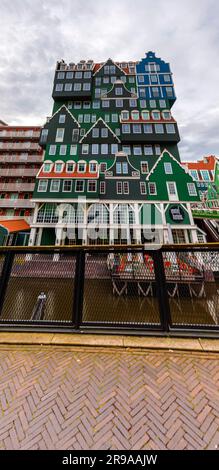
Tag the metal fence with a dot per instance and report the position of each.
(168, 290)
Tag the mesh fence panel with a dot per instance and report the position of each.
(40, 288)
(120, 289)
(193, 287)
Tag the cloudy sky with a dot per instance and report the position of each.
(34, 34)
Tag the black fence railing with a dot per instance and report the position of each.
(173, 289)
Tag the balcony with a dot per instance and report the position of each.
(20, 187)
(18, 172)
(16, 158)
(16, 203)
(5, 134)
(19, 146)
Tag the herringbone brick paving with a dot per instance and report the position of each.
(78, 398)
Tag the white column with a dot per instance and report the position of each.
(193, 230)
(137, 222)
(32, 236)
(35, 213)
(85, 222)
(39, 236)
(111, 231)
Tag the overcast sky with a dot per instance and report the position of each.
(34, 34)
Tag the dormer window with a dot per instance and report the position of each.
(47, 167)
(70, 166)
(58, 167)
(135, 115)
(156, 115)
(93, 167)
(166, 115)
(118, 91)
(145, 115)
(95, 132)
(81, 167)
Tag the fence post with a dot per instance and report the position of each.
(5, 276)
(161, 289)
(78, 289)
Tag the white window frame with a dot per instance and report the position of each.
(102, 187)
(81, 181)
(60, 138)
(143, 188)
(58, 185)
(54, 148)
(155, 187)
(172, 196)
(69, 162)
(81, 162)
(89, 182)
(194, 191)
(168, 168)
(144, 163)
(63, 185)
(46, 186)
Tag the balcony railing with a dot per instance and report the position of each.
(17, 203)
(17, 187)
(19, 146)
(19, 134)
(18, 171)
(16, 158)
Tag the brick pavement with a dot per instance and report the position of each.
(83, 398)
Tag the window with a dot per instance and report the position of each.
(112, 69)
(157, 149)
(69, 75)
(86, 86)
(82, 132)
(119, 187)
(91, 186)
(117, 131)
(105, 104)
(44, 135)
(107, 118)
(93, 118)
(104, 149)
(159, 129)
(167, 77)
(166, 114)
(106, 69)
(114, 117)
(98, 81)
(126, 149)
(126, 187)
(62, 118)
(81, 167)
(52, 149)
(143, 103)
(118, 91)
(77, 86)
(93, 167)
(42, 186)
(87, 118)
(67, 186)
(148, 150)
(77, 105)
(125, 115)
(136, 128)
(147, 128)
(126, 128)
(60, 135)
(118, 168)
(132, 103)
(191, 189)
(152, 188)
(96, 104)
(103, 167)
(104, 132)
(123, 78)
(54, 186)
(58, 167)
(114, 149)
(113, 79)
(131, 79)
(154, 79)
(142, 92)
(87, 74)
(59, 87)
(144, 167)
(137, 150)
(95, 149)
(119, 103)
(95, 132)
(47, 167)
(102, 187)
(61, 75)
(80, 118)
(69, 104)
(145, 115)
(152, 103)
(73, 150)
(86, 105)
(78, 74)
(172, 191)
(168, 168)
(135, 115)
(162, 103)
(194, 174)
(105, 80)
(75, 135)
(170, 128)
(155, 115)
(70, 167)
(143, 187)
(169, 92)
(68, 87)
(155, 91)
(79, 186)
(85, 149)
(140, 78)
(63, 149)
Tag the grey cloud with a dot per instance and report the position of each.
(35, 34)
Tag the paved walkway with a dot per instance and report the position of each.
(67, 397)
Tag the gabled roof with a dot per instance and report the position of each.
(94, 125)
(105, 63)
(63, 107)
(207, 163)
(123, 155)
(165, 151)
(14, 225)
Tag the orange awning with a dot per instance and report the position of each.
(14, 225)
